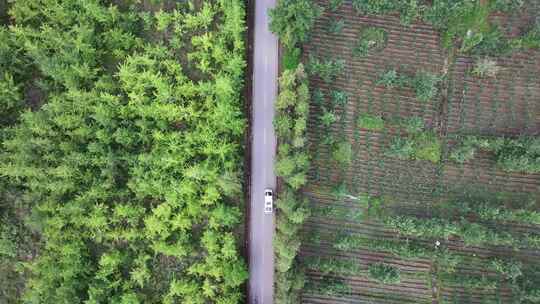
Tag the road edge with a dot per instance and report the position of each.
(248, 138)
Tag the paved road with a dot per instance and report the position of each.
(265, 70)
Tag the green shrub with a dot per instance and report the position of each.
(293, 107)
(487, 211)
(443, 226)
(369, 7)
(474, 234)
(471, 40)
(447, 260)
(329, 286)
(492, 43)
(288, 286)
(504, 214)
(342, 153)
(467, 148)
(292, 20)
(427, 147)
(401, 148)
(327, 69)
(527, 287)
(333, 266)
(384, 273)
(463, 23)
(512, 155)
(283, 126)
(335, 26)
(370, 40)
(11, 99)
(328, 118)
(292, 167)
(15, 74)
(422, 227)
(486, 67)
(293, 207)
(408, 10)
(8, 240)
(466, 20)
(510, 270)
(425, 85)
(507, 5)
(370, 122)
(285, 248)
(532, 38)
(375, 205)
(340, 191)
(463, 153)
(408, 249)
(520, 155)
(318, 97)
(291, 58)
(389, 79)
(340, 212)
(339, 98)
(470, 281)
(421, 146)
(334, 5)
(413, 125)
(285, 166)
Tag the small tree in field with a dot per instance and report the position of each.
(413, 125)
(384, 273)
(328, 118)
(486, 67)
(292, 20)
(532, 38)
(389, 79)
(339, 98)
(334, 5)
(342, 153)
(401, 148)
(370, 122)
(420, 146)
(425, 85)
(370, 40)
(326, 69)
(335, 26)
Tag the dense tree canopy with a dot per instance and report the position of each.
(133, 158)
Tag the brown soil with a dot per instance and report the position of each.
(505, 105)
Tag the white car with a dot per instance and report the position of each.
(268, 201)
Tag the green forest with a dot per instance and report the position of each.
(122, 134)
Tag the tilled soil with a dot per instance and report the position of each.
(507, 105)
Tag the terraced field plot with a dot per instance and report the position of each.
(343, 239)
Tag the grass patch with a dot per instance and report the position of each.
(370, 122)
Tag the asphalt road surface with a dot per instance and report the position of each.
(265, 73)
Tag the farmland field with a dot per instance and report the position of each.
(354, 120)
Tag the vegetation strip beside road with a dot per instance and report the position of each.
(292, 164)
